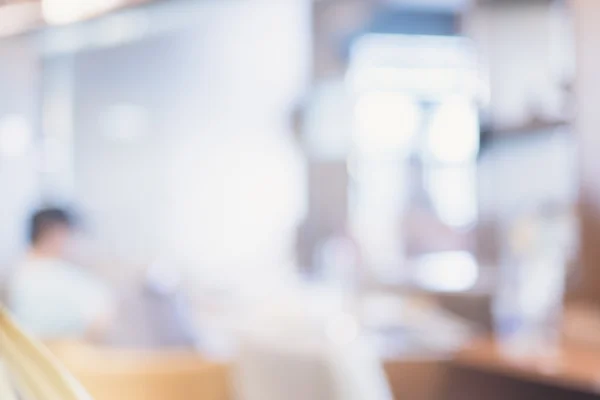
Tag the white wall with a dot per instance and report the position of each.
(517, 175)
(214, 180)
(529, 51)
(18, 169)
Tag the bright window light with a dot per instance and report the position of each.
(426, 81)
(15, 135)
(425, 66)
(453, 194)
(453, 135)
(452, 271)
(386, 121)
(235, 204)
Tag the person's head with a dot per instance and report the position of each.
(50, 230)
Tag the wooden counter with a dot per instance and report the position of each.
(568, 367)
(116, 374)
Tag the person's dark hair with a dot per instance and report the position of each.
(46, 219)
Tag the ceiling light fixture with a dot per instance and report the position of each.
(67, 11)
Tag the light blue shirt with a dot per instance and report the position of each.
(53, 299)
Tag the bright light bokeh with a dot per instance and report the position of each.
(424, 66)
(386, 122)
(453, 194)
(452, 271)
(454, 132)
(67, 11)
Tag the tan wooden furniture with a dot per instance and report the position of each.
(568, 367)
(418, 378)
(115, 374)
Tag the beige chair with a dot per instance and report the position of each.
(265, 371)
(290, 353)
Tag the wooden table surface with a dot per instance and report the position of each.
(567, 366)
(118, 374)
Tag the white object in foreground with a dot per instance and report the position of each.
(36, 373)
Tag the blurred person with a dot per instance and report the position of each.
(49, 296)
